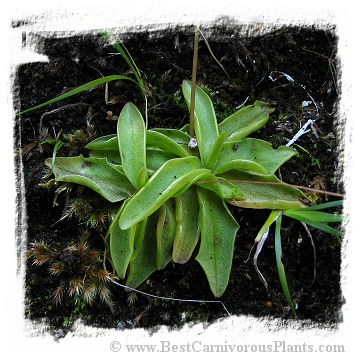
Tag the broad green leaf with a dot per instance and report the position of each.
(157, 158)
(143, 262)
(179, 137)
(112, 156)
(218, 232)
(205, 120)
(80, 89)
(258, 194)
(154, 158)
(159, 140)
(187, 225)
(245, 121)
(215, 152)
(280, 266)
(166, 181)
(246, 166)
(131, 135)
(121, 245)
(107, 142)
(97, 174)
(166, 228)
(266, 159)
(219, 186)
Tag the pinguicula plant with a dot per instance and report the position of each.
(175, 192)
(174, 189)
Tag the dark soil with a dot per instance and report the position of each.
(306, 54)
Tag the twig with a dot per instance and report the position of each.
(68, 106)
(214, 57)
(275, 184)
(314, 252)
(168, 298)
(193, 84)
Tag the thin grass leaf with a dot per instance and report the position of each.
(120, 47)
(324, 206)
(260, 240)
(319, 225)
(314, 215)
(80, 89)
(280, 266)
(58, 145)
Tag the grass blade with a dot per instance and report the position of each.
(80, 89)
(280, 266)
(120, 47)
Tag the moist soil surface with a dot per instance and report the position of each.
(292, 68)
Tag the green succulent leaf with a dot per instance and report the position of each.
(258, 194)
(218, 232)
(219, 186)
(215, 152)
(97, 174)
(180, 137)
(143, 260)
(121, 243)
(187, 225)
(205, 121)
(247, 166)
(107, 142)
(156, 139)
(112, 157)
(252, 155)
(245, 121)
(174, 175)
(131, 135)
(166, 228)
(157, 158)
